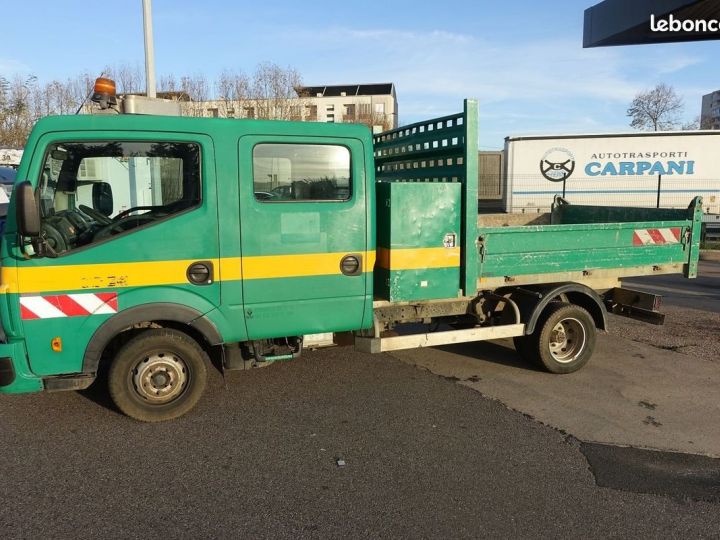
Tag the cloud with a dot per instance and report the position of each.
(10, 66)
(440, 63)
(673, 64)
(523, 86)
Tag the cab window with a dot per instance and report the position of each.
(91, 191)
(301, 172)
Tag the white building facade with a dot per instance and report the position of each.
(710, 112)
(374, 105)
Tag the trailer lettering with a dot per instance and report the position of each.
(675, 167)
(609, 169)
(590, 169)
(638, 168)
(657, 168)
(642, 167)
(637, 155)
(627, 167)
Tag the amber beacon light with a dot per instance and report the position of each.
(104, 92)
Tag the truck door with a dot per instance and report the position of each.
(304, 235)
(126, 215)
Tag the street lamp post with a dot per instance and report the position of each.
(149, 51)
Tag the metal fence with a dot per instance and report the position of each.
(534, 193)
(491, 172)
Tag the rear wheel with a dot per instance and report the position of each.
(564, 339)
(158, 375)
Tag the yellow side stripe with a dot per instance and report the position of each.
(94, 276)
(418, 258)
(279, 266)
(142, 274)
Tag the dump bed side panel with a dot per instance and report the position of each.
(575, 243)
(589, 240)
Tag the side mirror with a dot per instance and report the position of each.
(102, 198)
(28, 216)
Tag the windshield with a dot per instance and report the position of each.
(89, 191)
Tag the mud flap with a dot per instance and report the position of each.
(633, 304)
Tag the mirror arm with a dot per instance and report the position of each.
(23, 246)
(43, 247)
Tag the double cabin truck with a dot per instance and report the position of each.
(142, 246)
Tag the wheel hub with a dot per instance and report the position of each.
(160, 378)
(567, 340)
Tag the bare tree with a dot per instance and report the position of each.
(690, 125)
(233, 91)
(16, 117)
(170, 88)
(197, 89)
(372, 117)
(269, 93)
(23, 101)
(656, 109)
(699, 122)
(129, 79)
(168, 83)
(60, 97)
(273, 91)
(705, 122)
(81, 87)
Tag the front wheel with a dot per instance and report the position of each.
(564, 339)
(158, 375)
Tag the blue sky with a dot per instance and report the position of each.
(523, 59)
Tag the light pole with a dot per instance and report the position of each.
(149, 51)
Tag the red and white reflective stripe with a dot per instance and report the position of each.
(649, 237)
(68, 305)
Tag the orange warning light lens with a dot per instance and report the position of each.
(56, 344)
(105, 86)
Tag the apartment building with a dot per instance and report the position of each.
(710, 112)
(371, 104)
(374, 105)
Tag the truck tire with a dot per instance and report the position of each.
(158, 375)
(564, 339)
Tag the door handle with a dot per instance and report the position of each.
(200, 273)
(351, 264)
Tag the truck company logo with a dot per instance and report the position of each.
(673, 24)
(68, 305)
(557, 164)
(663, 163)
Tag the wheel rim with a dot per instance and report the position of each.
(567, 340)
(160, 378)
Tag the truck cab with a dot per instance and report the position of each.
(234, 231)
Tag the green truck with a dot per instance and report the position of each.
(146, 247)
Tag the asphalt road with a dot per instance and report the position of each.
(424, 457)
(629, 394)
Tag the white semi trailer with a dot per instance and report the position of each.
(10, 157)
(662, 169)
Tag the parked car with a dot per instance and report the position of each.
(7, 179)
